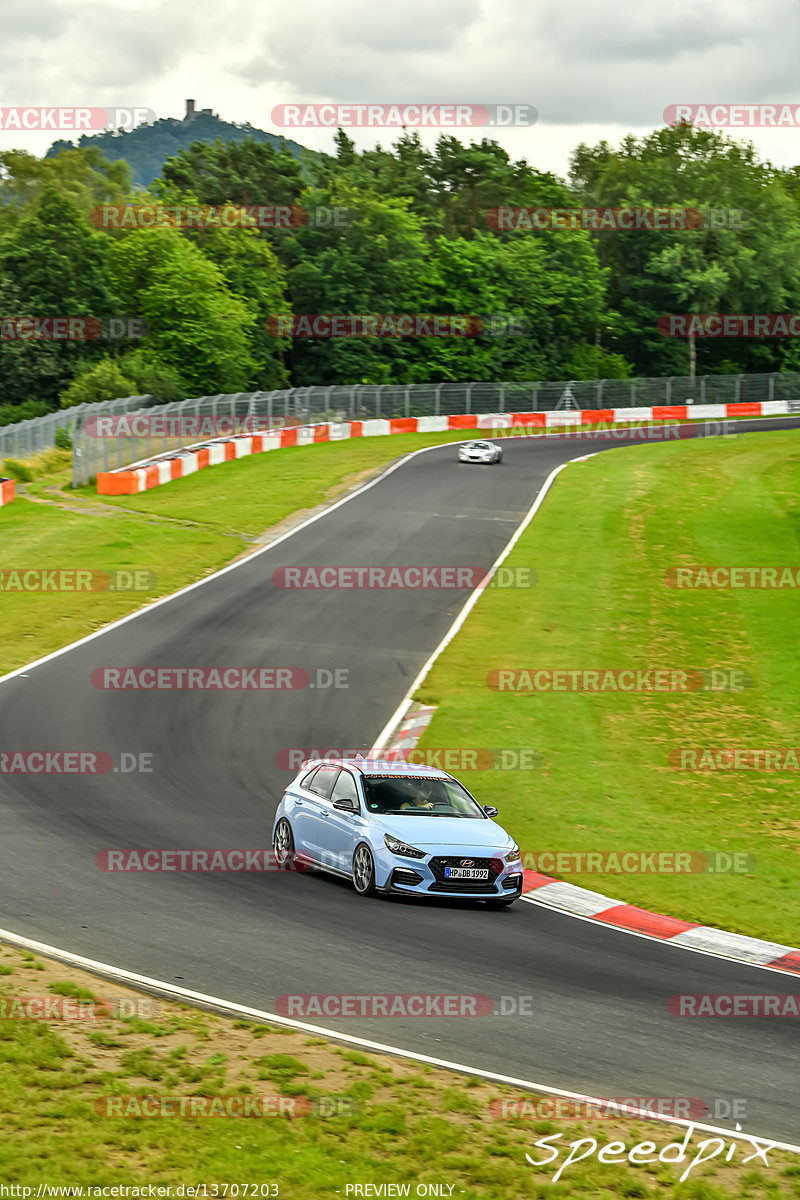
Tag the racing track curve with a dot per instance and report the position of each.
(600, 1024)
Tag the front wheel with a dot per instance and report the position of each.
(364, 870)
(283, 841)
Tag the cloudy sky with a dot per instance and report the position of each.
(591, 71)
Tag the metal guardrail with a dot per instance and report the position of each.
(365, 401)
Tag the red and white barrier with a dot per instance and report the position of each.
(142, 476)
(6, 491)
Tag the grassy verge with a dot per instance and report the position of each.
(601, 545)
(180, 532)
(395, 1121)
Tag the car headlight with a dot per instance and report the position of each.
(513, 855)
(397, 847)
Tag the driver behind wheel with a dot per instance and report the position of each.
(420, 795)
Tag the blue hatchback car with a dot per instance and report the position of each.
(394, 827)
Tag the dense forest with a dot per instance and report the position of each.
(396, 230)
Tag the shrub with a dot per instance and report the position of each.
(17, 470)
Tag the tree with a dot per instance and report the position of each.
(546, 300)
(243, 173)
(30, 371)
(716, 268)
(131, 374)
(197, 327)
(377, 263)
(57, 267)
(82, 177)
(254, 274)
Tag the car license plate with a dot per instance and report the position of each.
(466, 872)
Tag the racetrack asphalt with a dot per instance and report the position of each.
(599, 1023)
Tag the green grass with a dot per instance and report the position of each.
(180, 532)
(400, 1123)
(601, 544)
(67, 987)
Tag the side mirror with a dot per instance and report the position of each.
(490, 811)
(345, 806)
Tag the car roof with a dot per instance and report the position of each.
(374, 766)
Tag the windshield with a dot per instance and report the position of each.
(420, 797)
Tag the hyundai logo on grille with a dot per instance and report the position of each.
(467, 862)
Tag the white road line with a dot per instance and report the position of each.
(397, 716)
(190, 587)
(225, 1006)
(171, 992)
(530, 898)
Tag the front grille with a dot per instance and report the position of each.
(438, 864)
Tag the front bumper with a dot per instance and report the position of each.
(426, 877)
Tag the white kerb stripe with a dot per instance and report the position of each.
(748, 948)
(574, 899)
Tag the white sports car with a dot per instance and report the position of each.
(480, 452)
